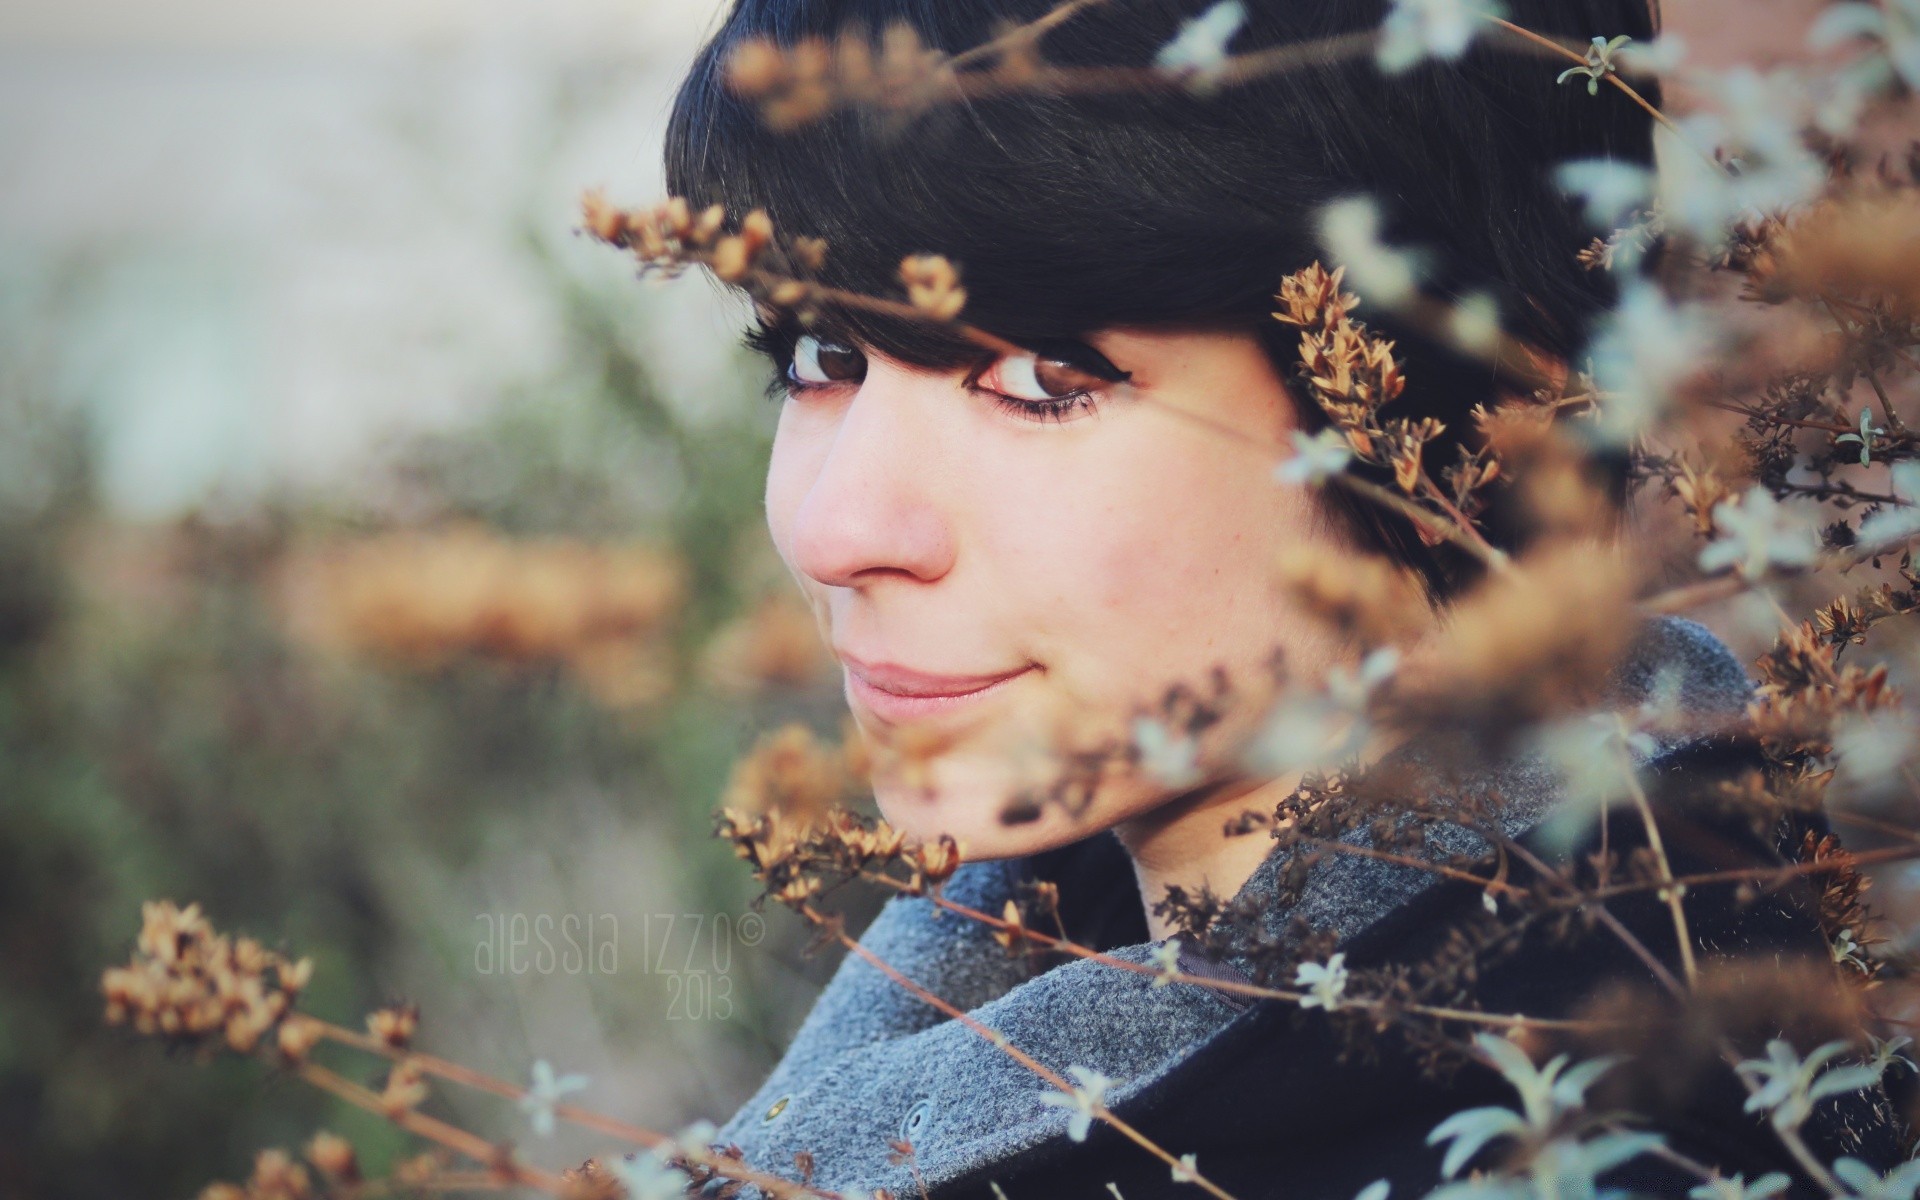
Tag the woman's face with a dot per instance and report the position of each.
(1008, 565)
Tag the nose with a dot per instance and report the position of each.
(873, 509)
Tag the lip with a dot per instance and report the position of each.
(898, 694)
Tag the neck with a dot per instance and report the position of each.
(1183, 843)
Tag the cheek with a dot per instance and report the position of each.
(791, 469)
(1154, 556)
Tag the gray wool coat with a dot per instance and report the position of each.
(872, 1064)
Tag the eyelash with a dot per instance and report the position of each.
(777, 344)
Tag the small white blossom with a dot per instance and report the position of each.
(1599, 62)
(1421, 29)
(1352, 690)
(1166, 956)
(1199, 50)
(1756, 119)
(1790, 1086)
(1473, 324)
(1759, 532)
(1172, 759)
(545, 1094)
(1899, 522)
(1382, 274)
(1872, 749)
(1379, 1189)
(1865, 1183)
(1312, 727)
(1187, 1169)
(1598, 757)
(1609, 191)
(1894, 24)
(1547, 1095)
(1083, 1101)
(648, 1177)
(1846, 951)
(1868, 431)
(1737, 1188)
(1326, 983)
(1315, 459)
(1642, 351)
(1661, 56)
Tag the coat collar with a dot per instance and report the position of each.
(871, 1064)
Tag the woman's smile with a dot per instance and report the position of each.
(896, 694)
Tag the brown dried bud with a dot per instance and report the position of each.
(731, 259)
(298, 1036)
(707, 225)
(757, 230)
(938, 862)
(277, 1177)
(334, 1156)
(677, 217)
(406, 1089)
(396, 1025)
(603, 219)
(810, 252)
(755, 67)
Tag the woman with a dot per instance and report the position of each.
(1016, 549)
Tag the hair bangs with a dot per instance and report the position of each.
(1063, 215)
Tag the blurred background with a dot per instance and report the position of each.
(381, 566)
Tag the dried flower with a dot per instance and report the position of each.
(405, 1090)
(395, 1025)
(933, 286)
(334, 1157)
(189, 984)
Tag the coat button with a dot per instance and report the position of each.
(915, 1122)
(779, 1106)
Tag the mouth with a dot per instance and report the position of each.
(897, 695)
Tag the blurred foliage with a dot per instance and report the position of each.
(167, 730)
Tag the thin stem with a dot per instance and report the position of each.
(1468, 1016)
(1599, 910)
(585, 1118)
(1028, 33)
(1447, 529)
(1670, 891)
(497, 1159)
(1612, 77)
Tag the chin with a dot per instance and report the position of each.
(962, 796)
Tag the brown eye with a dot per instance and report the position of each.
(816, 361)
(1039, 377)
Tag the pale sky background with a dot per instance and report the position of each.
(258, 239)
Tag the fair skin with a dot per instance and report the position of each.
(1051, 578)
